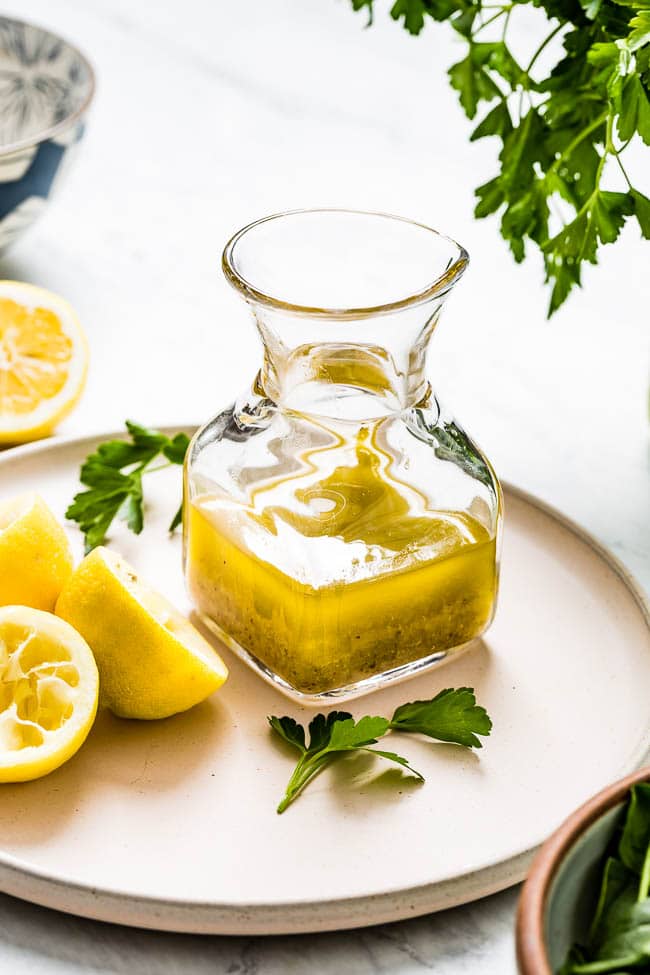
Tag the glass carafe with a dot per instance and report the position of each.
(341, 529)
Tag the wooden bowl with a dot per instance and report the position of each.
(560, 894)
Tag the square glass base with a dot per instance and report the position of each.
(336, 694)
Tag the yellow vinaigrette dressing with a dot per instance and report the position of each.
(411, 583)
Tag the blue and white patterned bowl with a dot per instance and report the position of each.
(46, 86)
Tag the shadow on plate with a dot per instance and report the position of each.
(140, 756)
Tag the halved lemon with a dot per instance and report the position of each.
(48, 693)
(152, 662)
(43, 361)
(35, 556)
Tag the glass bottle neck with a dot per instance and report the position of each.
(349, 369)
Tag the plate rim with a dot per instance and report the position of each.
(259, 918)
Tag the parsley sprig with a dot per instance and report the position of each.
(113, 476)
(452, 716)
(562, 136)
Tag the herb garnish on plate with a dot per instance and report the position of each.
(451, 716)
(113, 476)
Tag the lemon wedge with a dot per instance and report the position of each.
(35, 556)
(43, 361)
(48, 693)
(152, 662)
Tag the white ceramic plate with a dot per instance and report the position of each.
(172, 824)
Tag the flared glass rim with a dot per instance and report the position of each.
(436, 288)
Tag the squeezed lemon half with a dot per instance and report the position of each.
(35, 556)
(152, 662)
(43, 361)
(48, 692)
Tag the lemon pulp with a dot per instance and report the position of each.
(43, 361)
(48, 692)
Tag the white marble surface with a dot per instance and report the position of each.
(210, 113)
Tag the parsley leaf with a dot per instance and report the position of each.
(412, 12)
(642, 209)
(634, 114)
(599, 221)
(320, 728)
(497, 122)
(113, 477)
(472, 80)
(291, 731)
(452, 715)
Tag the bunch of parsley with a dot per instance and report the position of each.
(559, 134)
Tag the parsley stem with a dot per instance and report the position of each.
(622, 168)
(305, 770)
(608, 149)
(505, 25)
(520, 107)
(542, 46)
(490, 20)
(581, 136)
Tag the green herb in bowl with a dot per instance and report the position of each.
(619, 938)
